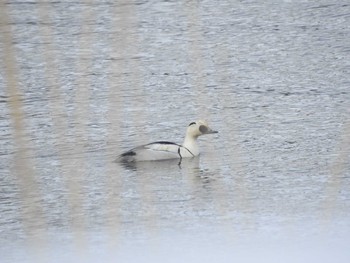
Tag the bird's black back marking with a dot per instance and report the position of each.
(129, 153)
(163, 142)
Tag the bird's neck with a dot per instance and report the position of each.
(190, 143)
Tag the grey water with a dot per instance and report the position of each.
(83, 81)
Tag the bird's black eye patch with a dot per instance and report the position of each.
(203, 129)
(191, 123)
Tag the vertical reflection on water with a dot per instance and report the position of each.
(204, 99)
(72, 169)
(233, 154)
(197, 61)
(126, 64)
(117, 64)
(57, 112)
(31, 212)
(127, 46)
(198, 66)
(125, 87)
(337, 174)
(82, 96)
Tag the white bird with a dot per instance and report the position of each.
(163, 150)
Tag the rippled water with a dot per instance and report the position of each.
(82, 81)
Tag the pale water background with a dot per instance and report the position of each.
(82, 81)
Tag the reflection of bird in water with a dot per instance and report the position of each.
(163, 150)
(189, 166)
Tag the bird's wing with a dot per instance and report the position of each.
(161, 150)
(154, 151)
(163, 146)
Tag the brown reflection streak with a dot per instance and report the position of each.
(72, 168)
(116, 68)
(32, 214)
(337, 171)
(127, 47)
(197, 59)
(231, 153)
(124, 77)
(81, 118)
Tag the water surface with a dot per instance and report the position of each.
(83, 81)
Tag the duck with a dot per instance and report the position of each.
(165, 150)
